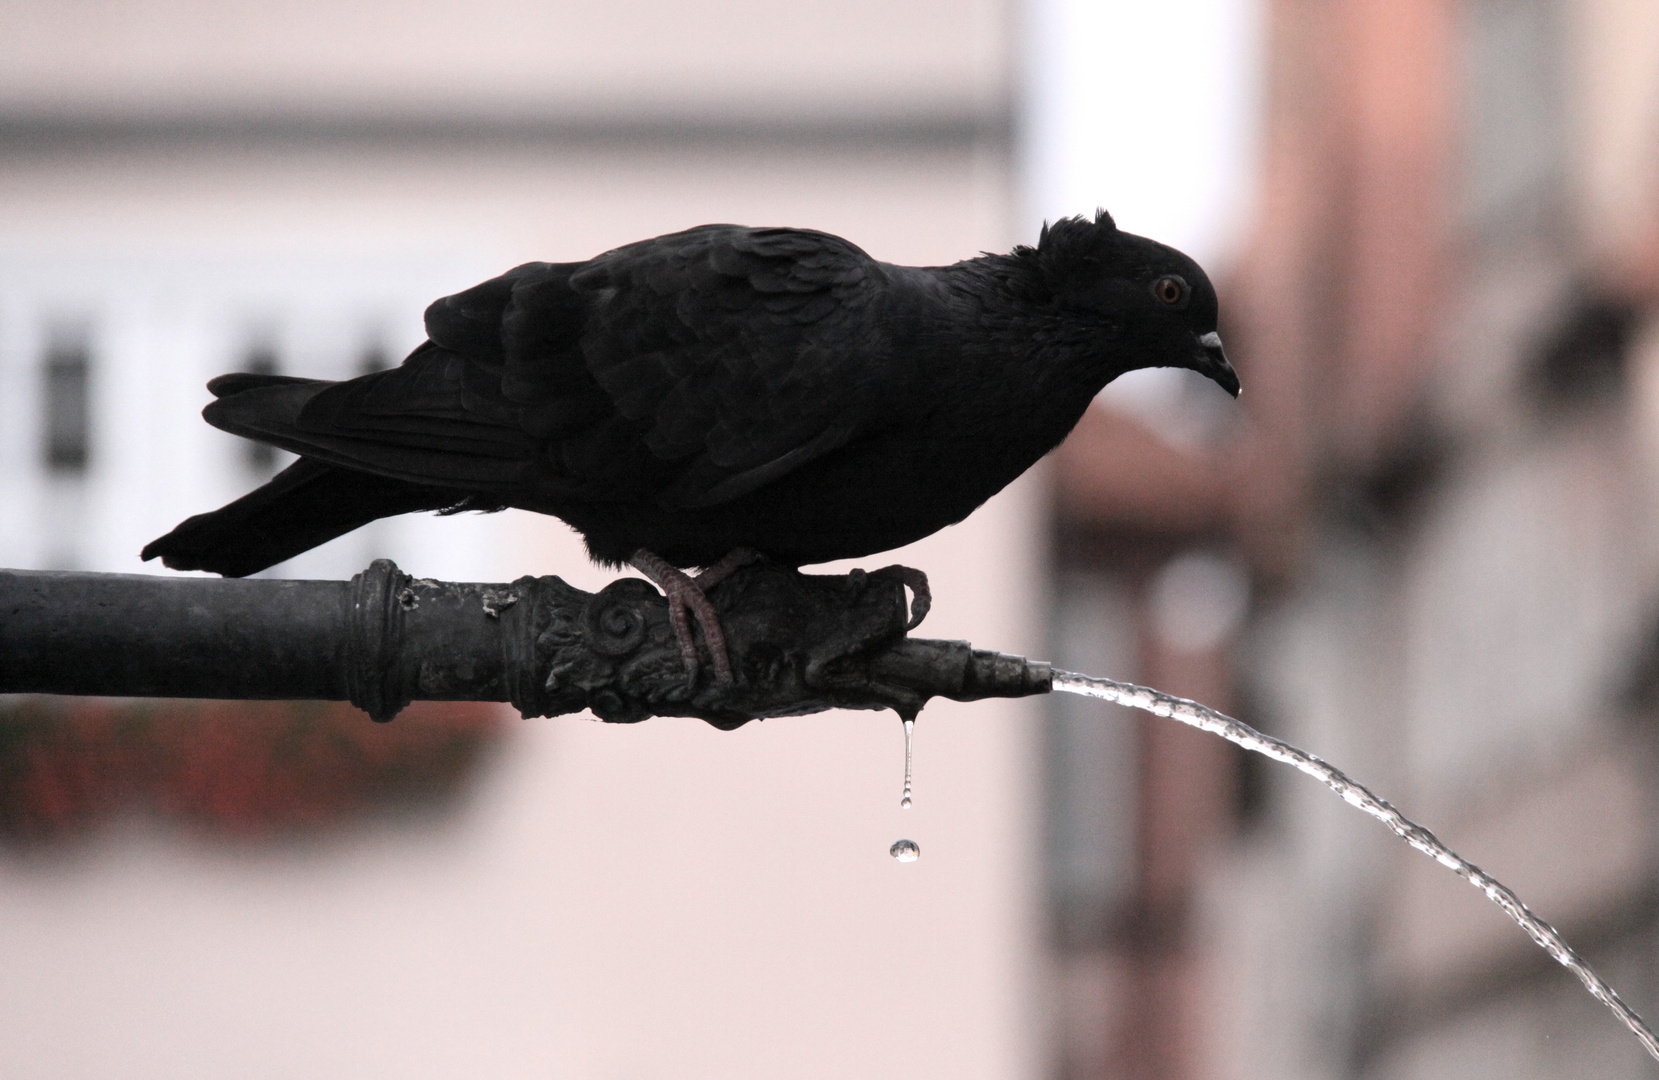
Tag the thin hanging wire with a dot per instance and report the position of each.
(1207, 719)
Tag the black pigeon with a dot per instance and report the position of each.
(690, 400)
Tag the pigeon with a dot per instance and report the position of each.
(717, 395)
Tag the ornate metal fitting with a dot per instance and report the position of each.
(798, 643)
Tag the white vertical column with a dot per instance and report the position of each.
(1149, 110)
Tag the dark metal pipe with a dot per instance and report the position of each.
(136, 636)
(799, 644)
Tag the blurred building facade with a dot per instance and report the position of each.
(188, 188)
(1441, 496)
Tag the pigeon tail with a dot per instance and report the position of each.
(306, 504)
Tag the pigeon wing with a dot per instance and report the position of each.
(731, 355)
(690, 369)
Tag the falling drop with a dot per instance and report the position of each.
(905, 850)
(905, 801)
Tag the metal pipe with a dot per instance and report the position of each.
(799, 643)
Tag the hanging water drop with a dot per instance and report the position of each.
(905, 850)
(909, 739)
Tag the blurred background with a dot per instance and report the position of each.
(1422, 546)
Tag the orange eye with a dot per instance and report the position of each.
(1169, 289)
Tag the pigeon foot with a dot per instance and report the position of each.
(687, 599)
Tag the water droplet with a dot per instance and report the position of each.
(909, 740)
(905, 850)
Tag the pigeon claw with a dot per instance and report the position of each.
(687, 600)
(916, 582)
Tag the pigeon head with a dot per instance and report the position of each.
(1158, 303)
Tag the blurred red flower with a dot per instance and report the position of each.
(237, 767)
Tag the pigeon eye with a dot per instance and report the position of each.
(1169, 289)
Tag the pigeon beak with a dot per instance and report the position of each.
(1211, 361)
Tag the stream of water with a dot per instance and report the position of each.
(1355, 794)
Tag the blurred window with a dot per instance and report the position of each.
(66, 418)
(373, 358)
(260, 458)
(1515, 138)
(1092, 759)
